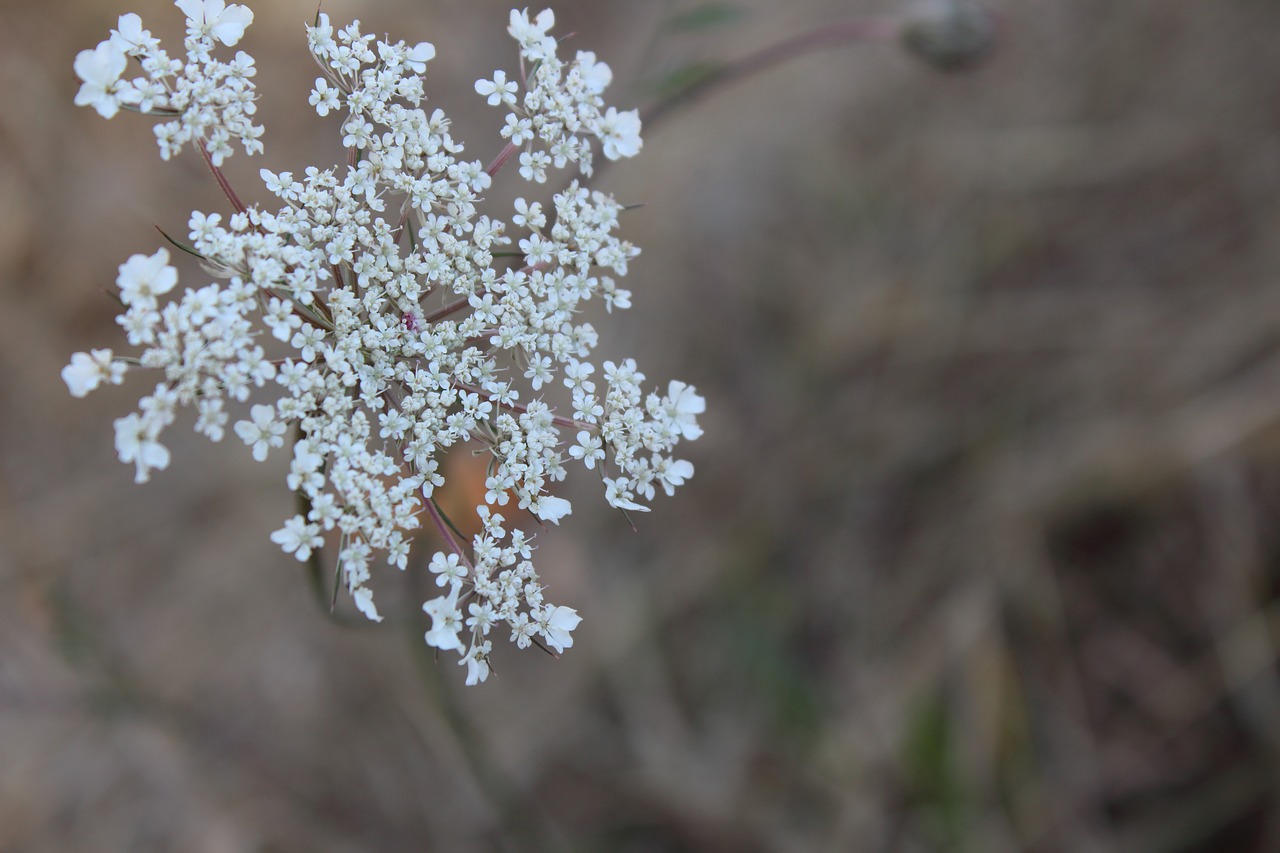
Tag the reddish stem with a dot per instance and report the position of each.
(503, 156)
(827, 35)
(222, 180)
(443, 527)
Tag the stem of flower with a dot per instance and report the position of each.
(503, 156)
(222, 180)
(827, 35)
(445, 528)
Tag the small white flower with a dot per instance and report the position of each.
(136, 442)
(298, 537)
(100, 69)
(216, 20)
(685, 407)
(363, 598)
(419, 55)
(620, 133)
(595, 75)
(144, 277)
(130, 36)
(324, 97)
(552, 509)
(477, 662)
(446, 622)
(533, 35)
(262, 432)
(498, 90)
(449, 569)
(88, 370)
(618, 496)
(673, 473)
(555, 623)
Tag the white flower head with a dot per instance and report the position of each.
(371, 314)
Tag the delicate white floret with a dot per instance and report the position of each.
(89, 370)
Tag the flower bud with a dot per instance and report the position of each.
(950, 35)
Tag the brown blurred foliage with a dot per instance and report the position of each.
(981, 554)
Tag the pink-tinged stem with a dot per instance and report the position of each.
(438, 520)
(827, 35)
(222, 180)
(503, 156)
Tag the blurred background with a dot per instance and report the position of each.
(981, 553)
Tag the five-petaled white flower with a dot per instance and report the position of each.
(498, 90)
(298, 537)
(262, 432)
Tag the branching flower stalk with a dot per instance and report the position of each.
(408, 328)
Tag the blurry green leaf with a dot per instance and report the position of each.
(703, 17)
(929, 761)
(684, 78)
(72, 637)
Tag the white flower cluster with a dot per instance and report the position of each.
(211, 101)
(561, 102)
(406, 328)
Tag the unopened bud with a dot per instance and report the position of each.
(950, 35)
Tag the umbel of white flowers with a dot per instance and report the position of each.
(399, 327)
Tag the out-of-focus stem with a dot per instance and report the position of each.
(827, 35)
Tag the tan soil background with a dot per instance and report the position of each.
(981, 553)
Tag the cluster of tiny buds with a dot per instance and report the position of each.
(380, 309)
